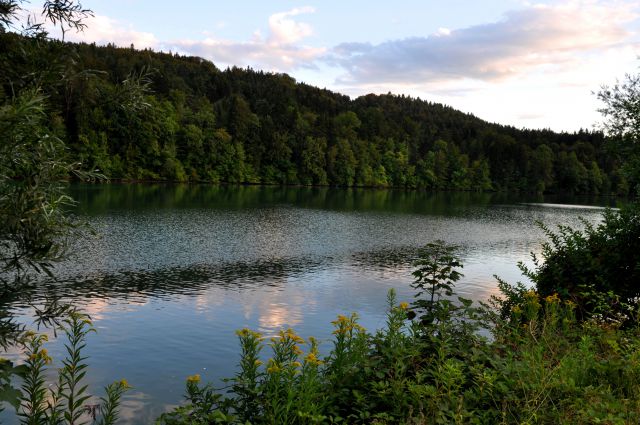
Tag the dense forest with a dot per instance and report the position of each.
(194, 122)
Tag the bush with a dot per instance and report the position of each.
(598, 269)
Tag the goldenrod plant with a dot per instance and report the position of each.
(538, 363)
(67, 401)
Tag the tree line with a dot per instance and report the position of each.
(195, 122)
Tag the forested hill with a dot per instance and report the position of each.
(244, 126)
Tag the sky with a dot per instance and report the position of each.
(522, 63)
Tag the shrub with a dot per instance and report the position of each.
(597, 268)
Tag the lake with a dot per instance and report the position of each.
(175, 270)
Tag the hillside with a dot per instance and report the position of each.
(200, 123)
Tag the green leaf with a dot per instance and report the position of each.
(10, 395)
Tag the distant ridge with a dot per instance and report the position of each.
(247, 126)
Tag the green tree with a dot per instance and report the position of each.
(34, 166)
(541, 172)
(313, 161)
(621, 111)
(341, 164)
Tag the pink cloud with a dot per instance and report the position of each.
(539, 35)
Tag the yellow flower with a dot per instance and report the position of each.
(290, 334)
(516, 309)
(311, 358)
(258, 363)
(44, 355)
(193, 379)
(296, 364)
(297, 350)
(404, 305)
(246, 332)
(552, 298)
(124, 384)
(273, 369)
(340, 320)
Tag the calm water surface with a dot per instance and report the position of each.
(176, 270)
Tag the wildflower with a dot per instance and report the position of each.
(258, 363)
(124, 384)
(290, 334)
(516, 309)
(340, 331)
(552, 298)
(44, 355)
(243, 333)
(193, 379)
(296, 364)
(274, 368)
(340, 320)
(404, 305)
(359, 328)
(296, 350)
(311, 358)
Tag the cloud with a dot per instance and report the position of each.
(533, 37)
(102, 30)
(257, 53)
(285, 30)
(279, 50)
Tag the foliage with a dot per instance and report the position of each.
(435, 275)
(622, 121)
(244, 126)
(542, 365)
(33, 200)
(66, 401)
(597, 268)
(35, 166)
(35, 221)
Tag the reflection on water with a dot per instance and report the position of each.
(177, 269)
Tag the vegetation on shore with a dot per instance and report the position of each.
(548, 359)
